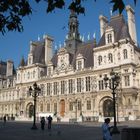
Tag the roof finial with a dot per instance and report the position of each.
(88, 37)
(83, 38)
(111, 11)
(94, 35)
(94, 39)
(38, 38)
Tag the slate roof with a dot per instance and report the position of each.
(87, 52)
(120, 29)
(39, 52)
(3, 66)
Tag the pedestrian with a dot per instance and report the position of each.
(4, 119)
(42, 122)
(106, 130)
(49, 122)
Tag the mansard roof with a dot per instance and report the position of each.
(120, 29)
(3, 66)
(86, 50)
(39, 52)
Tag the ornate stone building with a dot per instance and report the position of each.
(71, 79)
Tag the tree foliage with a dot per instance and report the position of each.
(13, 11)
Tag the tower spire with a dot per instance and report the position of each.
(73, 36)
(73, 26)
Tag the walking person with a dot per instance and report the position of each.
(4, 119)
(49, 122)
(106, 130)
(42, 122)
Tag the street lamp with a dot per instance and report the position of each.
(113, 83)
(34, 92)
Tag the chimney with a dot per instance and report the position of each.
(48, 48)
(131, 23)
(9, 69)
(103, 24)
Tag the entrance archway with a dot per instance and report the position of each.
(30, 110)
(62, 108)
(108, 108)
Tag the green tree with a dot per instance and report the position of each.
(13, 11)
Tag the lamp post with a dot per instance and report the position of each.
(113, 83)
(34, 92)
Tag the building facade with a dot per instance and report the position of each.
(71, 79)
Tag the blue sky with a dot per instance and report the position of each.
(14, 45)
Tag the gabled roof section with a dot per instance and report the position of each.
(86, 50)
(120, 29)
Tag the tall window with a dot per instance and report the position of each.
(41, 107)
(34, 74)
(88, 105)
(55, 88)
(79, 67)
(28, 75)
(109, 38)
(62, 87)
(79, 105)
(70, 106)
(70, 85)
(88, 83)
(101, 85)
(78, 84)
(110, 57)
(99, 60)
(48, 88)
(127, 80)
(125, 54)
(55, 107)
(48, 107)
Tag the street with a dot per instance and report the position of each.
(62, 131)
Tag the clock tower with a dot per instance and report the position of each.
(73, 37)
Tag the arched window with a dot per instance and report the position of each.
(125, 54)
(110, 57)
(99, 60)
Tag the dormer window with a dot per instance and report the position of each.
(109, 38)
(29, 60)
(79, 66)
(49, 71)
(109, 35)
(80, 62)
